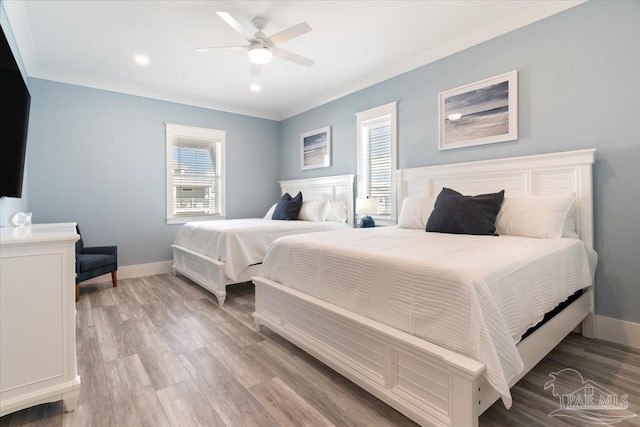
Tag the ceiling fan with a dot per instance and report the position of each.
(261, 48)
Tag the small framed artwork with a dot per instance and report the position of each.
(479, 113)
(315, 148)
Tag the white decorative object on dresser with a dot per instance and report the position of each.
(37, 317)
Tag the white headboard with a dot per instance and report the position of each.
(540, 175)
(339, 188)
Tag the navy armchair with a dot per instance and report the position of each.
(95, 261)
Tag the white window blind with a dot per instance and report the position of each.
(195, 173)
(376, 156)
(195, 177)
(377, 162)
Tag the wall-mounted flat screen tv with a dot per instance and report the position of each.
(15, 100)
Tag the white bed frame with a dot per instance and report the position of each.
(427, 383)
(209, 273)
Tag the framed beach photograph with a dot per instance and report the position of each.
(315, 148)
(479, 113)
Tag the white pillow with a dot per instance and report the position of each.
(542, 217)
(415, 212)
(270, 212)
(337, 211)
(314, 210)
(569, 227)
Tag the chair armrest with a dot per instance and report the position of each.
(107, 250)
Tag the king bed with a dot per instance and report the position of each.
(433, 323)
(215, 254)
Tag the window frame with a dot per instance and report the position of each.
(372, 115)
(212, 136)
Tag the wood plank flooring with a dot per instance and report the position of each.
(158, 351)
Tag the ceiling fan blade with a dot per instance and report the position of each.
(209, 49)
(235, 25)
(255, 69)
(289, 33)
(290, 56)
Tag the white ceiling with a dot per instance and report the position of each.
(355, 44)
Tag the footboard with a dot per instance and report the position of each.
(429, 384)
(205, 271)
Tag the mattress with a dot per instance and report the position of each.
(475, 295)
(240, 243)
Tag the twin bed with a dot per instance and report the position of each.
(433, 323)
(215, 254)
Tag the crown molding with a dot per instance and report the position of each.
(19, 23)
(18, 20)
(145, 92)
(508, 23)
(16, 16)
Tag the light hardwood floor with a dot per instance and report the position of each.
(158, 351)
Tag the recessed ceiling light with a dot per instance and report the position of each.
(141, 59)
(255, 88)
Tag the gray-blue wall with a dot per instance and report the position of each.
(579, 87)
(98, 158)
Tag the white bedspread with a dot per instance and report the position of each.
(475, 295)
(242, 242)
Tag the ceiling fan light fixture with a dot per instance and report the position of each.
(141, 59)
(260, 54)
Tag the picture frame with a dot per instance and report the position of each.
(483, 112)
(315, 148)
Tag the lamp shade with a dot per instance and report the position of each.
(366, 206)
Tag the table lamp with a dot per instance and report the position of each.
(366, 207)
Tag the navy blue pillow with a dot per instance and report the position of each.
(288, 207)
(458, 214)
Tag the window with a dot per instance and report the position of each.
(377, 143)
(195, 174)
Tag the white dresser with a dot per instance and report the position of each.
(37, 316)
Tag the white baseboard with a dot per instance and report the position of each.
(607, 328)
(138, 270)
(618, 331)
